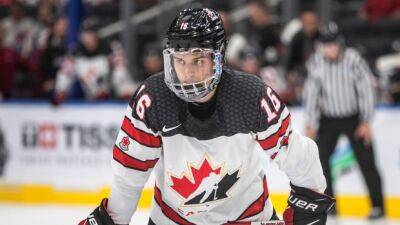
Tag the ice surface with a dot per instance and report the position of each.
(17, 214)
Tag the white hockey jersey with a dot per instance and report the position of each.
(97, 73)
(208, 172)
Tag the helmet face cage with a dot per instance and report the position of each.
(192, 91)
(196, 32)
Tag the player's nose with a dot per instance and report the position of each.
(190, 75)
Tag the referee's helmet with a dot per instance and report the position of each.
(330, 33)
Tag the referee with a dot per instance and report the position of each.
(338, 98)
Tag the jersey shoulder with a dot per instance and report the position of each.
(155, 83)
(155, 87)
(258, 103)
(239, 99)
(242, 85)
(152, 99)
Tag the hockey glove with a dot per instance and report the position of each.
(99, 216)
(306, 207)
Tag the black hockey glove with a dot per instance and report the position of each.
(99, 216)
(307, 207)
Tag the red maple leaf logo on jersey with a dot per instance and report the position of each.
(186, 184)
(124, 143)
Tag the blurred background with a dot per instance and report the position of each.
(69, 67)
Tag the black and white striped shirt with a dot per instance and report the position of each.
(339, 88)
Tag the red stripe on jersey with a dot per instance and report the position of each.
(258, 205)
(288, 216)
(272, 140)
(167, 210)
(140, 136)
(131, 162)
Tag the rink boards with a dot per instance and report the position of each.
(62, 155)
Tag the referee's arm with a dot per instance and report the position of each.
(365, 90)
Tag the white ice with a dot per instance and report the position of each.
(18, 214)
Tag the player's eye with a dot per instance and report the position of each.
(199, 62)
(179, 61)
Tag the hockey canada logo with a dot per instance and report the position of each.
(124, 144)
(203, 185)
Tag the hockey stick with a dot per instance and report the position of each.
(271, 222)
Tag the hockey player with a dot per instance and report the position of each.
(199, 121)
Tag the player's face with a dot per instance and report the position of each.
(193, 67)
(192, 74)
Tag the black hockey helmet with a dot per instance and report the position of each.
(330, 33)
(194, 33)
(197, 28)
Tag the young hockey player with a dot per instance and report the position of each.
(206, 131)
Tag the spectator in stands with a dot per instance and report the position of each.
(236, 41)
(299, 50)
(375, 10)
(99, 70)
(272, 75)
(35, 42)
(261, 33)
(250, 61)
(44, 20)
(53, 53)
(303, 43)
(153, 61)
(388, 69)
(394, 87)
(14, 72)
(18, 29)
